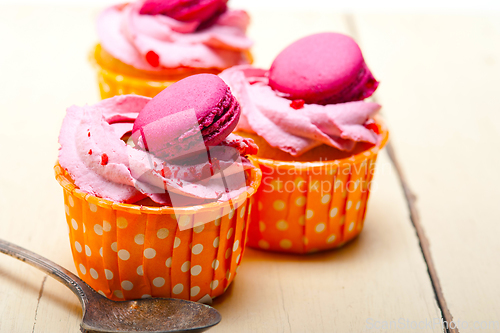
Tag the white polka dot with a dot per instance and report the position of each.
(301, 201)
(262, 226)
(186, 266)
(119, 78)
(102, 293)
(88, 252)
(109, 274)
(118, 293)
(121, 222)
(146, 296)
(149, 253)
(263, 244)
(127, 285)
(320, 227)
(185, 221)
(98, 229)
(236, 245)
(331, 239)
(309, 214)
(94, 274)
(140, 270)
(238, 258)
(217, 222)
(162, 233)
(100, 251)
(197, 249)
(358, 205)
(92, 207)
(78, 247)
(196, 270)
(351, 226)
(71, 201)
(338, 183)
(195, 291)
(279, 205)
(228, 253)
(123, 255)
(229, 233)
(106, 226)
(302, 220)
(178, 288)
(139, 239)
(231, 213)
(242, 212)
(199, 228)
(215, 264)
(158, 282)
(286, 243)
(66, 209)
(106, 88)
(84, 229)
(305, 240)
(260, 206)
(326, 199)
(282, 225)
(114, 246)
(214, 284)
(168, 262)
(177, 242)
(82, 269)
(349, 204)
(74, 224)
(216, 242)
(228, 274)
(333, 212)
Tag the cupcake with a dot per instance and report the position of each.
(147, 45)
(158, 192)
(318, 141)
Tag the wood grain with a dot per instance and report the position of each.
(440, 95)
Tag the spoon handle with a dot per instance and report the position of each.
(73, 282)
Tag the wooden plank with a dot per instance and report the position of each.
(380, 277)
(440, 94)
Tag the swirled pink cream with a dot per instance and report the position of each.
(159, 42)
(293, 126)
(102, 164)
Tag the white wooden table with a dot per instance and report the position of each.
(430, 248)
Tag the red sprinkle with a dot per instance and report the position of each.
(90, 152)
(104, 159)
(297, 104)
(153, 59)
(88, 134)
(373, 127)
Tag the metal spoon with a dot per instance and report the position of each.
(103, 315)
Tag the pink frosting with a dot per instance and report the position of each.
(103, 165)
(129, 36)
(266, 113)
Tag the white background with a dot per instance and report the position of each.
(450, 6)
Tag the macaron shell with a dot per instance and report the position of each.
(324, 68)
(182, 10)
(171, 123)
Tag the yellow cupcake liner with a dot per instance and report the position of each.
(305, 207)
(127, 251)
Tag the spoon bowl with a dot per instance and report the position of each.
(160, 315)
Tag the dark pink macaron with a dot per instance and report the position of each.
(325, 68)
(188, 116)
(185, 10)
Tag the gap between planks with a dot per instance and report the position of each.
(40, 294)
(414, 215)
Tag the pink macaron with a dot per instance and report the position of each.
(185, 10)
(325, 68)
(187, 117)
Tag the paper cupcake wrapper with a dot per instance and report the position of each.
(305, 207)
(112, 83)
(129, 251)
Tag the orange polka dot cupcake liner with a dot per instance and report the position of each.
(127, 251)
(306, 207)
(112, 83)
